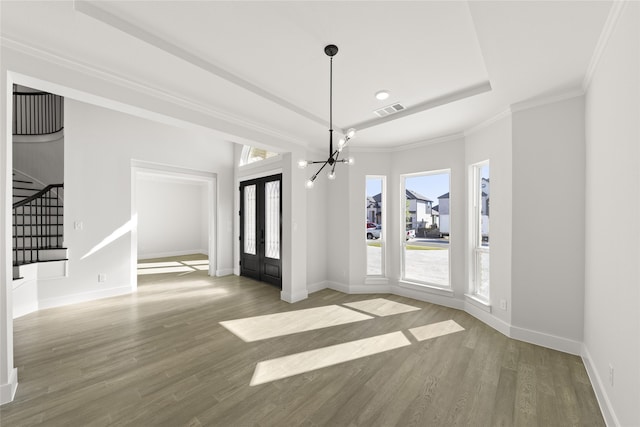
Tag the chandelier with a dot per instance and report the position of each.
(334, 155)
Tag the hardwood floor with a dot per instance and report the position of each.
(160, 358)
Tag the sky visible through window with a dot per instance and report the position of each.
(431, 186)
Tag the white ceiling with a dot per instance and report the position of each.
(263, 62)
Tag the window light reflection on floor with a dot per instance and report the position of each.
(165, 267)
(291, 322)
(294, 364)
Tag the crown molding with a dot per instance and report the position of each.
(112, 77)
(409, 146)
(98, 13)
(544, 100)
(501, 115)
(603, 40)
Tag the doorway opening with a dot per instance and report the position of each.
(261, 229)
(174, 211)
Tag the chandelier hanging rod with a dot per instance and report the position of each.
(334, 155)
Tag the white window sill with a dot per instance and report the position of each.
(480, 303)
(426, 288)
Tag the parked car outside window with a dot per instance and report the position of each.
(375, 232)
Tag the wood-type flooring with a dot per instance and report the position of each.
(159, 357)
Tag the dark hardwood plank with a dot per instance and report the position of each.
(160, 358)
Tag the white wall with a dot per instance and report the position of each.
(73, 80)
(172, 217)
(100, 145)
(493, 143)
(612, 296)
(294, 219)
(548, 250)
(43, 161)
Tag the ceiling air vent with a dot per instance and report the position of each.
(389, 109)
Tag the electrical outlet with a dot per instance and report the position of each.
(77, 225)
(102, 277)
(503, 304)
(611, 375)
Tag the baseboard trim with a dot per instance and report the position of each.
(446, 301)
(318, 286)
(369, 289)
(8, 390)
(83, 297)
(336, 286)
(546, 340)
(150, 255)
(488, 318)
(224, 272)
(598, 387)
(293, 297)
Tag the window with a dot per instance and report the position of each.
(425, 242)
(253, 154)
(374, 231)
(480, 209)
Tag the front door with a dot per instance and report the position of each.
(260, 229)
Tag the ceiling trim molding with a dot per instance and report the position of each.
(609, 26)
(100, 14)
(544, 100)
(427, 105)
(405, 147)
(114, 78)
(488, 122)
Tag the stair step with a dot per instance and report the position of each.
(35, 262)
(22, 181)
(46, 248)
(38, 235)
(26, 188)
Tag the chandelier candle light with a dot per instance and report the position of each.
(334, 155)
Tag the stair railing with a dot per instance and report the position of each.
(36, 213)
(37, 113)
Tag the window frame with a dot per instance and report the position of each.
(404, 280)
(476, 249)
(382, 240)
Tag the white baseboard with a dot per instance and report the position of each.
(293, 297)
(598, 387)
(224, 272)
(444, 300)
(369, 289)
(83, 297)
(315, 287)
(546, 340)
(336, 286)
(8, 390)
(488, 318)
(150, 255)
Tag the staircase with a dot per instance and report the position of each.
(37, 227)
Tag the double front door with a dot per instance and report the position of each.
(260, 229)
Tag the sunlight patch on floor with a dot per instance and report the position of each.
(294, 364)
(159, 264)
(291, 322)
(381, 307)
(434, 330)
(197, 262)
(166, 267)
(164, 270)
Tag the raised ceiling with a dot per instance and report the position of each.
(451, 64)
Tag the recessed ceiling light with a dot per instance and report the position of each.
(382, 95)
